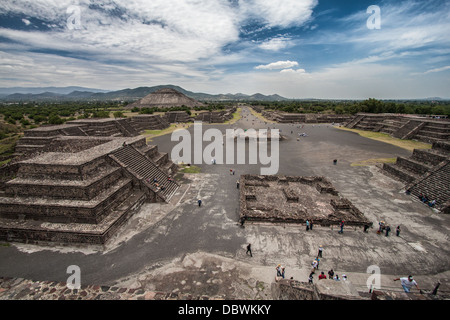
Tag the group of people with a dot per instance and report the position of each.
(426, 200)
(315, 267)
(385, 227)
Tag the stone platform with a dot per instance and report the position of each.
(289, 199)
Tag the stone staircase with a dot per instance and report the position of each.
(426, 172)
(145, 170)
(408, 130)
(126, 129)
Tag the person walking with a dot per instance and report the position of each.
(307, 224)
(310, 225)
(310, 277)
(199, 202)
(342, 226)
(407, 283)
(249, 250)
(397, 231)
(237, 184)
(319, 254)
(388, 229)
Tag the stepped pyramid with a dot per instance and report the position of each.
(167, 98)
(81, 188)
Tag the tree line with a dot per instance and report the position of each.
(352, 107)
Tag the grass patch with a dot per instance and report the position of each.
(384, 137)
(150, 134)
(236, 116)
(189, 169)
(372, 162)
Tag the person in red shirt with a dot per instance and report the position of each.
(322, 276)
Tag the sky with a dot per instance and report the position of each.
(352, 49)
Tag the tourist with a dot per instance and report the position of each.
(407, 283)
(342, 226)
(334, 161)
(310, 277)
(397, 231)
(322, 276)
(280, 271)
(330, 274)
(388, 228)
(336, 277)
(319, 254)
(249, 250)
(242, 220)
(432, 203)
(307, 224)
(310, 225)
(344, 277)
(199, 202)
(237, 184)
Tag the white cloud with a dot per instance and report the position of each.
(437, 69)
(298, 71)
(284, 13)
(276, 44)
(26, 21)
(278, 65)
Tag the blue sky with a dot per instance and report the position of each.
(295, 48)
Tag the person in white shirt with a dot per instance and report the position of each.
(407, 283)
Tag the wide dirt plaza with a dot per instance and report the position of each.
(187, 249)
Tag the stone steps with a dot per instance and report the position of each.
(146, 171)
(413, 165)
(400, 172)
(436, 185)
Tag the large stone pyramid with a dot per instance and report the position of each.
(166, 98)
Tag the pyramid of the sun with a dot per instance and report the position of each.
(166, 98)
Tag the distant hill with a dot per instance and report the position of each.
(86, 94)
(40, 90)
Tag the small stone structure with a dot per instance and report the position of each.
(289, 199)
(216, 116)
(424, 129)
(284, 117)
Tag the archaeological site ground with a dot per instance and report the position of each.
(100, 195)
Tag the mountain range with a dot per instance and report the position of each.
(89, 94)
